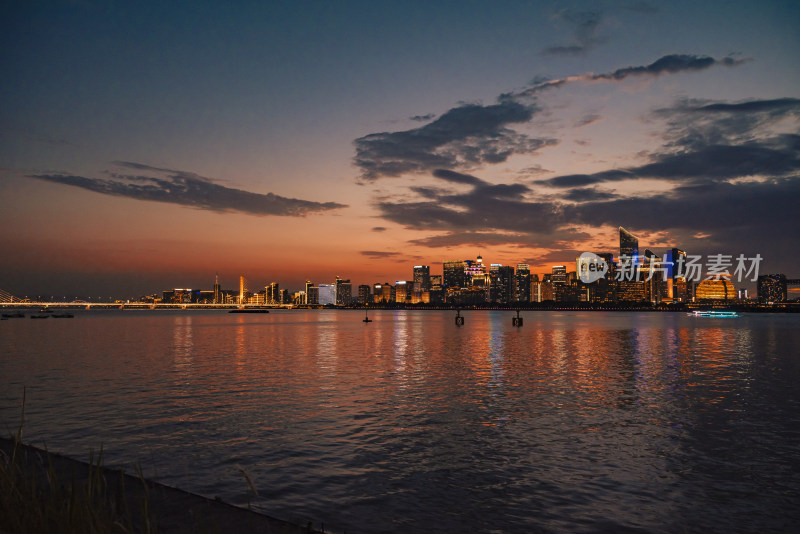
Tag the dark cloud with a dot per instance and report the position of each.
(457, 177)
(782, 105)
(734, 218)
(713, 142)
(423, 118)
(378, 254)
(189, 189)
(534, 170)
(584, 26)
(670, 64)
(776, 156)
(379, 228)
(468, 216)
(586, 194)
(587, 120)
(693, 123)
(471, 135)
(427, 192)
(464, 136)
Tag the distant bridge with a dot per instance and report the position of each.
(7, 300)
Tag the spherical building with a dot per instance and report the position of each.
(721, 289)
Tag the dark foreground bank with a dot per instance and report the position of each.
(47, 481)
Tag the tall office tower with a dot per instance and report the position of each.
(403, 291)
(377, 293)
(309, 285)
(387, 290)
(522, 283)
(243, 292)
(501, 283)
(217, 290)
(364, 295)
(628, 244)
(273, 295)
(559, 274)
(559, 280)
(312, 295)
(474, 269)
(653, 273)
(422, 276)
(326, 294)
(344, 292)
(283, 296)
(453, 276)
(676, 275)
(606, 290)
(772, 288)
(436, 294)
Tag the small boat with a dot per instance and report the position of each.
(721, 314)
(64, 315)
(39, 316)
(366, 318)
(249, 310)
(13, 315)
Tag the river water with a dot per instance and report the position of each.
(576, 422)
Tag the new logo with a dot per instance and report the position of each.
(591, 267)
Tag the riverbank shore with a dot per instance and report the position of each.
(149, 506)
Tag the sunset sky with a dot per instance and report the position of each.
(149, 145)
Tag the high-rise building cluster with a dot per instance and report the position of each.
(632, 278)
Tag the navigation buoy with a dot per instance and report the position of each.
(459, 318)
(366, 318)
(516, 321)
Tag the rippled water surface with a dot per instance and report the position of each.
(576, 422)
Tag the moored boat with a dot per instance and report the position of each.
(721, 314)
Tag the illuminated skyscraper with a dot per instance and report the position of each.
(453, 276)
(422, 276)
(243, 292)
(559, 281)
(772, 288)
(501, 280)
(522, 283)
(327, 294)
(273, 293)
(676, 275)
(364, 295)
(312, 294)
(217, 291)
(628, 244)
(403, 291)
(344, 292)
(309, 299)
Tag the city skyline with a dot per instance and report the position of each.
(154, 146)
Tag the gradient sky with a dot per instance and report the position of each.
(145, 146)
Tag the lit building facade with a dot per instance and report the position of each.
(364, 294)
(422, 276)
(628, 244)
(453, 275)
(501, 283)
(772, 288)
(344, 292)
(719, 290)
(522, 283)
(326, 294)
